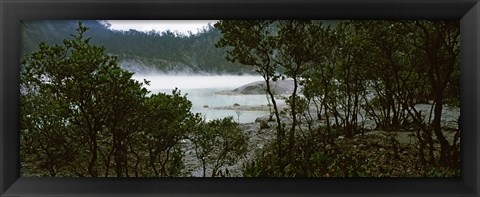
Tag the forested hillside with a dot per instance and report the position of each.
(141, 52)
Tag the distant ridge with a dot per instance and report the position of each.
(140, 51)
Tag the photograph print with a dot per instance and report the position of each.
(240, 98)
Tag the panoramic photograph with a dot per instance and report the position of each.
(240, 98)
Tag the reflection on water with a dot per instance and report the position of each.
(201, 91)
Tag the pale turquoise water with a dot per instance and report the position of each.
(201, 91)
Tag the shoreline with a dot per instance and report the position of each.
(248, 108)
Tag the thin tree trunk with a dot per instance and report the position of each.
(291, 140)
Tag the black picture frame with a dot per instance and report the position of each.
(12, 11)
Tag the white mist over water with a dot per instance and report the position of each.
(196, 82)
(201, 91)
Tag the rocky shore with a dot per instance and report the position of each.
(373, 143)
(247, 108)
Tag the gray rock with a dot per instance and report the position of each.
(261, 119)
(259, 87)
(264, 125)
(263, 122)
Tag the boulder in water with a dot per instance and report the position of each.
(259, 87)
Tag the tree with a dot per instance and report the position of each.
(294, 45)
(219, 143)
(385, 57)
(82, 115)
(319, 80)
(96, 98)
(167, 121)
(48, 145)
(350, 86)
(439, 44)
(251, 42)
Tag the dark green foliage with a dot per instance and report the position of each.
(363, 81)
(252, 43)
(272, 49)
(167, 120)
(219, 143)
(48, 141)
(294, 45)
(93, 103)
(373, 155)
(356, 72)
(82, 115)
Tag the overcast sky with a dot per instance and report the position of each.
(182, 26)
